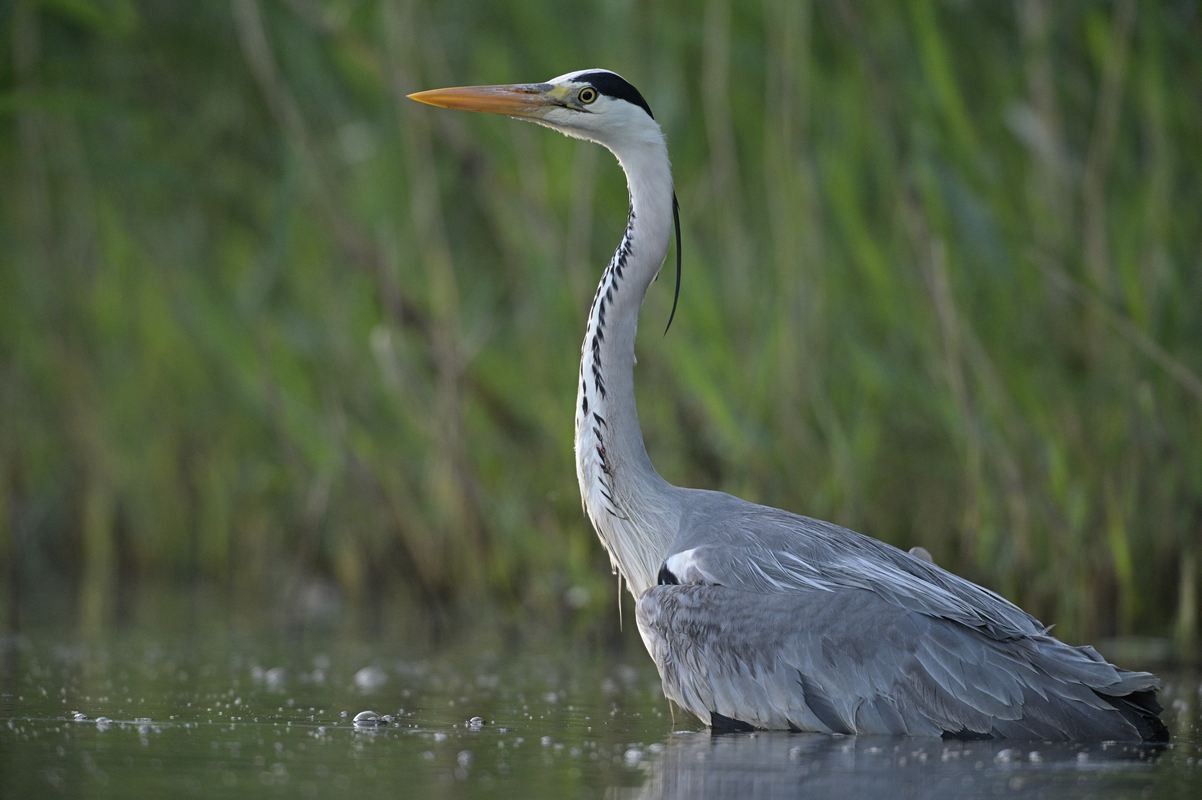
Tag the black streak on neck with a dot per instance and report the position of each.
(603, 298)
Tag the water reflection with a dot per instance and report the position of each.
(811, 765)
(148, 711)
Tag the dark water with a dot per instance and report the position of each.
(211, 712)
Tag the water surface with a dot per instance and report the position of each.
(222, 711)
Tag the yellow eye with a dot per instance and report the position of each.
(587, 95)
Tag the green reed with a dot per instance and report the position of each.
(265, 322)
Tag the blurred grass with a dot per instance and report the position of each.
(266, 323)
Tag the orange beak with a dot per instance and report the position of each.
(514, 100)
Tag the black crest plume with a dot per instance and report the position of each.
(675, 294)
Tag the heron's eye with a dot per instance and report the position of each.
(587, 95)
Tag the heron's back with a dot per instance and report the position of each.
(773, 620)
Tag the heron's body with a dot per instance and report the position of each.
(759, 618)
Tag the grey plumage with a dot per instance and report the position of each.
(761, 618)
(784, 622)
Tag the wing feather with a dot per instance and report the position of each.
(782, 621)
(849, 661)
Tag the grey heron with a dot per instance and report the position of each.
(759, 618)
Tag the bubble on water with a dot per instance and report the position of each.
(79, 716)
(632, 756)
(103, 723)
(475, 723)
(545, 741)
(1005, 756)
(370, 678)
(367, 719)
(440, 737)
(577, 597)
(1034, 756)
(273, 678)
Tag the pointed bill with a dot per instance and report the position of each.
(514, 100)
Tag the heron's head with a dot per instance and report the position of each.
(593, 104)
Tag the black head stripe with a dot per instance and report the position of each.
(615, 86)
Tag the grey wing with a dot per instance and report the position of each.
(734, 543)
(845, 660)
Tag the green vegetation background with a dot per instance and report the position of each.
(265, 324)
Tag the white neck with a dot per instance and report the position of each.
(631, 507)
